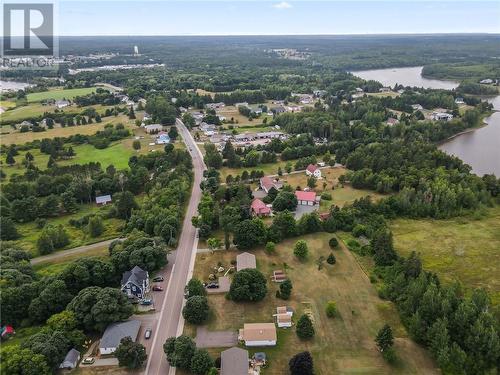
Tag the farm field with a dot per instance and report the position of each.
(30, 232)
(342, 345)
(21, 113)
(58, 94)
(465, 249)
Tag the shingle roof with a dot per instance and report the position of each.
(136, 275)
(259, 332)
(245, 260)
(117, 331)
(234, 361)
(309, 196)
(311, 168)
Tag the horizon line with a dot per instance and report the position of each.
(497, 33)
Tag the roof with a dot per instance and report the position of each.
(392, 120)
(103, 198)
(245, 260)
(284, 318)
(234, 361)
(259, 332)
(72, 356)
(136, 275)
(260, 207)
(154, 126)
(283, 309)
(117, 331)
(267, 183)
(309, 196)
(311, 168)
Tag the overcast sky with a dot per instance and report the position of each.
(253, 17)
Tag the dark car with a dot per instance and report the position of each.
(157, 288)
(146, 302)
(147, 334)
(158, 279)
(212, 285)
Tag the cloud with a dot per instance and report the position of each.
(282, 5)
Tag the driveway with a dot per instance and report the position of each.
(301, 210)
(215, 339)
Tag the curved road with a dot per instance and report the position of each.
(170, 320)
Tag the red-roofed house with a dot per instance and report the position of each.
(306, 198)
(313, 170)
(266, 183)
(259, 208)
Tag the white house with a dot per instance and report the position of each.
(62, 103)
(103, 199)
(153, 128)
(258, 334)
(116, 332)
(283, 316)
(162, 138)
(441, 116)
(313, 170)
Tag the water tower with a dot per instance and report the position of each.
(136, 51)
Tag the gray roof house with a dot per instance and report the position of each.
(71, 359)
(245, 260)
(234, 361)
(116, 332)
(103, 199)
(135, 282)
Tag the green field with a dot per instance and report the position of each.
(342, 345)
(58, 94)
(465, 249)
(78, 237)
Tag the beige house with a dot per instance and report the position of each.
(258, 334)
(284, 316)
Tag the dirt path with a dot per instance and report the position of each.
(69, 252)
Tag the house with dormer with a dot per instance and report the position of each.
(135, 283)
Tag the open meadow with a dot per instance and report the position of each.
(465, 249)
(342, 345)
(59, 94)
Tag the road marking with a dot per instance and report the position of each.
(161, 313)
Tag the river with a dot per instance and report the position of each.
(13, 85)
(480, 148)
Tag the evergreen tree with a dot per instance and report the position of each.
(305, 329)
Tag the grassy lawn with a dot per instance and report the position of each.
(342, 345)
(7, 104)
(78, 237)
(464, 249)
(58, 94)
(19, 337)
(54, 267)
(269, 169)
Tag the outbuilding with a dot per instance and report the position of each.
(71, 360)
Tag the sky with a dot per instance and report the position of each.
(254, 17)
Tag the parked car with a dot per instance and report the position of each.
(146, 302)
(212, 285)
(157, 279)
(88, 361)
(147, 334)
(157, 288)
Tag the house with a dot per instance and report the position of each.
(441, 116)
(162, 138)
(313, 170)
(256, 111)
(198, 117)
(245, 260)
(284, 316)
(392, 121)
(135, 282)
(459, 101)
(153, 128)
(306, 198)
(258, 334)
(242, 104)
(319, 93)
(259, 208)
(244, 137)
(146, 117)
(359, 89)
(269, 135)
(234, 361)
(417, 107)
(103, 199)
(293, 108)
(183, 109)
(116, 332)
(266, 183)
(71, 360)
(384, 89)
(25, 124)
(62, 103)
(215, 105)
(487, 81)
(278, 110)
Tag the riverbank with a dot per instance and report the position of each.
(480, 125)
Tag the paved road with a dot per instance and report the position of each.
(73, 251)
(170, 319)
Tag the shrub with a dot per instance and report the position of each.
(300, 250)
(326, 196)
(331, 259)
(359, 230)
(331, 309)
(195, 288)
(285, 289)
(333, 242)
(270, 247)
(301, 364)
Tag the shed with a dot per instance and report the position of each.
(71, 359)
(103, 199)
